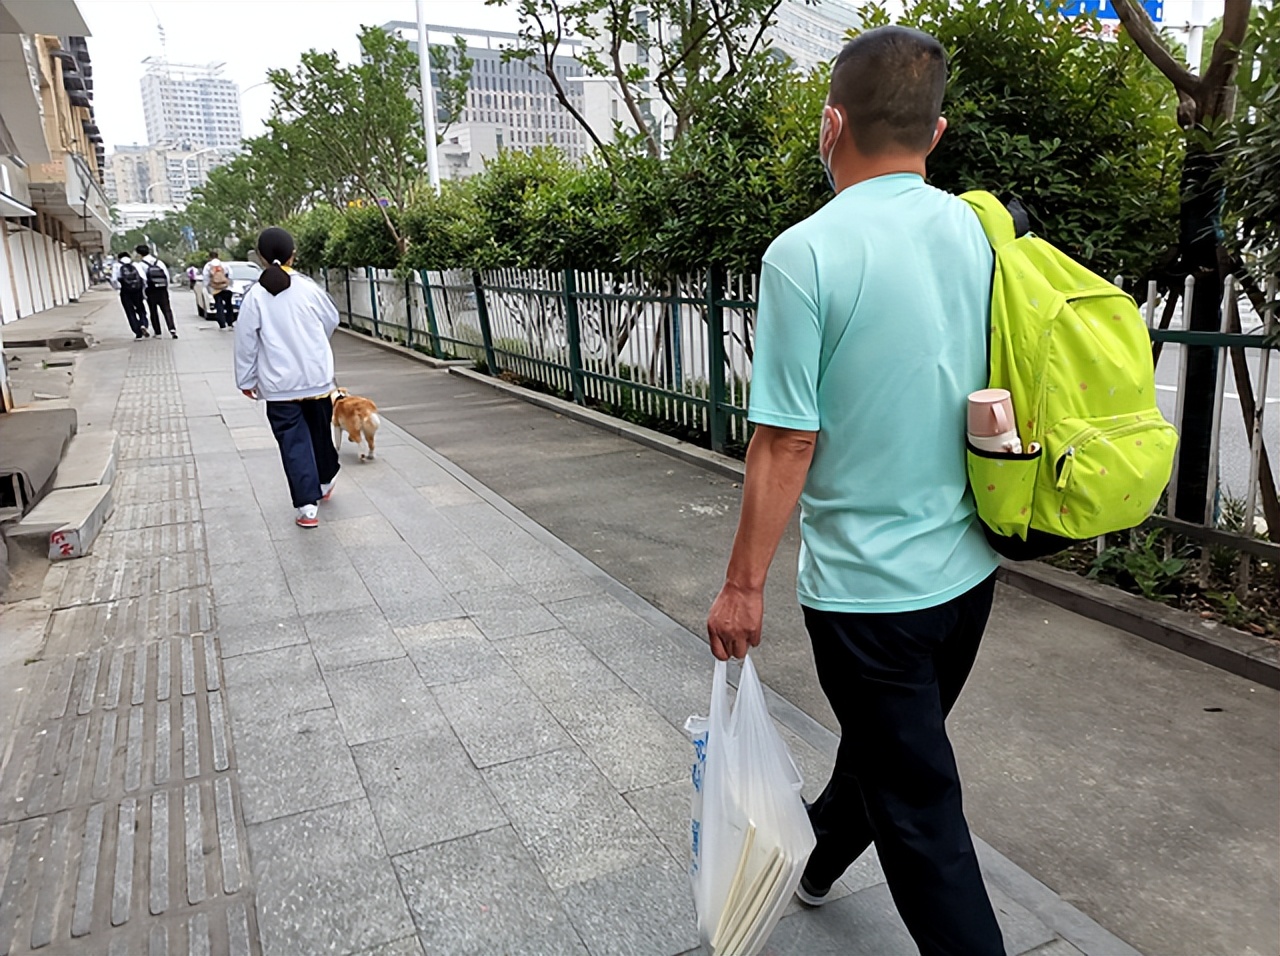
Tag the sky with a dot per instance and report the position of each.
(251, 36)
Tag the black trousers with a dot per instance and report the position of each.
(891, 680)
(135, 311)
(222, 308)
(158, 300)
(304, 432)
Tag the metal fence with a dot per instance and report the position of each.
(677, 356)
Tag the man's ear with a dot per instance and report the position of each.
(937, 133)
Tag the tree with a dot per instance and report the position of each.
(1076, 128)
(356, 128)
(689, 54)
(1253, 145)
(451, 66)
(1205, 107)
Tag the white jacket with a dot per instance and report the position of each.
(282, 341)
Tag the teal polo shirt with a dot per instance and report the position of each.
(871, 331)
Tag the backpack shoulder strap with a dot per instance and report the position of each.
(997, 221)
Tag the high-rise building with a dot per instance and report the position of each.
(812, 33)
(190, 106)
(509, 105)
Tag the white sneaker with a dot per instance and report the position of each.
(326, 489)
(307, 517)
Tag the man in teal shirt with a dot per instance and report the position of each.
(871, 332)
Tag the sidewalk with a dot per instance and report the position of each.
(428, 726)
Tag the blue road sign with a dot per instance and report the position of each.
(1103, 9)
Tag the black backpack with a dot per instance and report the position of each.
(129, 278)
(157, 278)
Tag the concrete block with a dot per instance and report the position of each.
(65, 522)
(90, 459)
(497, 718)
(483, 894)
(425, 790)
(383, 699)
(324, 883)
(646, 910)
(345, 638)
(296, 764)
(502, 613)
(574, 822)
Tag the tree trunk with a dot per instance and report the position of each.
(1200, 224)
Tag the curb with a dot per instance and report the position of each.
(713, 461)
(1253, 658)
(403, 350)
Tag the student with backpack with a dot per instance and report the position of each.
(870, 334)
(128, 281)
(156, 274)
(217, 282)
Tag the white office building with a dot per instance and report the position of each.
(806, 33)
(812, 33)
(194, 106)
(510, 105)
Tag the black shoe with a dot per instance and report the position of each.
(174, 334)
(811, 895)
(139, 338)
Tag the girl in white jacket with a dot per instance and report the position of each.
(283, 357)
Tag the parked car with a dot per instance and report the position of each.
(243, 275)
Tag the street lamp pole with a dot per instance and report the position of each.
(428, 98)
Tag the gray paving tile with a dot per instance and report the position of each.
(574, 822)
(422, 609)
(502, 613)
(863, 924)
(298, 763)
(364, 531)
(322, 594)
(424, 789)
(481, 895)
(459, 565)
(408, 946)
(631, 743)
(238, 614)
(557, 666)
(253, 581)
(324, 883)
(666, 810)
(447, 492)
(383, 699)
(1023, 930)
(351, 636)
(645, 911)
(250, 638)
(272, 684)
(1059, 947)
(449, 651)
(497, 718)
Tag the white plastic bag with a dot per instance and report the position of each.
(750, 835)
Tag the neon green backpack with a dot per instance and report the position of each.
(1074, 352)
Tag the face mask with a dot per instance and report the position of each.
(826, 160)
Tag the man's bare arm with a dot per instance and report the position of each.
(777, 464)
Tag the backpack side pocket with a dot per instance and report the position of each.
(1003, 488)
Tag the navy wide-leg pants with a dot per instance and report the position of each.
(304, 432)
(892, 679)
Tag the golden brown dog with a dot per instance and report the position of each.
(356, 417)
